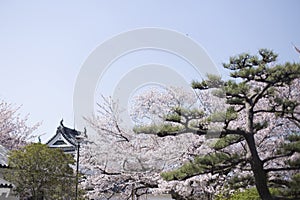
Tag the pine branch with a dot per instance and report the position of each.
(278, 156)
(282, 169)
(256, 97)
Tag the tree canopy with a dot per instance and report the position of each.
(38, 171)
(14, 131)
(124, 164)
(259, 129)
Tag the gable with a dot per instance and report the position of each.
(59, 141)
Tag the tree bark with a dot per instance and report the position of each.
(260, 174)
(257, 167)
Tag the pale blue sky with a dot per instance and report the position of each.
(43, 44)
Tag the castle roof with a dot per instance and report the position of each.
(65, 139)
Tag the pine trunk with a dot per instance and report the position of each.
(260, 175)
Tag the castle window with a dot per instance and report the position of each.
(59, 142)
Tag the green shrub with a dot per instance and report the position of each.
(248, 194)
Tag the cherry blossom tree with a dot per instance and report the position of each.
(153, 104)
(14, 131)
(120, 162)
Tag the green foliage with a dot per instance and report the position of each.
(293, 146)
(250, 194)
(157, 129)
(241, 181)
(294, 137)
(210, 163)
(293, 188)
(187, 170)
(227, 140)
(260, 125)
(282, 73)
(179, 120)
(168, 128)
(231, 114)
(39, 171)
(190, 113)
(217, 117)
(236, 90)
(247, 194)
(246, 61)
(173, 118)
(199, 85)
(213, 81)
(257, 89)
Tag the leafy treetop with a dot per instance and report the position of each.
(260, 99)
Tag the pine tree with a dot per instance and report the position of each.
(259, 130)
